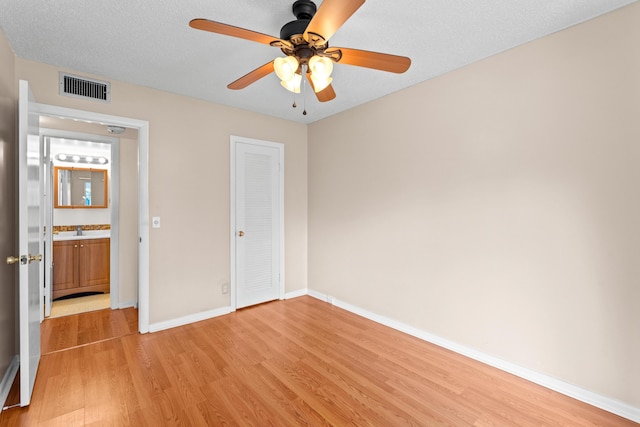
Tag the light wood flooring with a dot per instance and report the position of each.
(67, 307)
(300, 362)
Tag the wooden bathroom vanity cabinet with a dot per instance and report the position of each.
(81, 266)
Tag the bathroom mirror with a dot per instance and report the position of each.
(79, 188)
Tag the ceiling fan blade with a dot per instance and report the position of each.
(375, 60)
(330, 16)
(252, 77)
(230, 30)
(326, 94)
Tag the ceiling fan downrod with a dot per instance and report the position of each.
(303, 10)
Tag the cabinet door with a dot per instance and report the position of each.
(64, 266)
(94, 262)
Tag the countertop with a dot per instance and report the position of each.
(86, 234)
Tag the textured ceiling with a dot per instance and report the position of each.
(149, 43)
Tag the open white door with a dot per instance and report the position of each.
(30, 241)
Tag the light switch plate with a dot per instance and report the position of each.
(155, 222)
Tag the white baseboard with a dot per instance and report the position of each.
(318, 295)
(296, 294)
(167, 324)
(7, 379)
(181, 321)
(608, 404)
(128, 304)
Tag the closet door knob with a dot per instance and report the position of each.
(240, 233)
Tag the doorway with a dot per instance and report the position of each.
(141, 160)
(66, 290)
(257, 221)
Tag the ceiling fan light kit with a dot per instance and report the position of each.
(305, 42)
(287, 71)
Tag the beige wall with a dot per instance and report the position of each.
(8, 202)
(189, 187)
(497, 206)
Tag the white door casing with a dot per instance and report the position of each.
(47, 213)
(257, 216)
(30, 239)
(143, 191)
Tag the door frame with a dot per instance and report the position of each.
(143, 190)
(234, 140)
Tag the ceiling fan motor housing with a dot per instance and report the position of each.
(293, 28)
(304, 10)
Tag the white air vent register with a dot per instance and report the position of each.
(81, 87)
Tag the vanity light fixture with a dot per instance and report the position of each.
(76, 158)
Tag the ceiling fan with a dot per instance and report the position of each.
(305, 44)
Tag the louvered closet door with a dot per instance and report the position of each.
(257, 233)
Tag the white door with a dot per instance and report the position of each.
(257, 225)
(30, 242)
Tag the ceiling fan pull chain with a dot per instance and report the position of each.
(304, 92)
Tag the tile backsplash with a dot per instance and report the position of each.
(61, 228)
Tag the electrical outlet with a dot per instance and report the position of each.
(225, 288)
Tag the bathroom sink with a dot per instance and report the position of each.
(65, 234)
(86, 234)
(96, 233)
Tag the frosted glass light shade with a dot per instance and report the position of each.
(286, 67)
(320, 83)
(321, 68)
(293, 84)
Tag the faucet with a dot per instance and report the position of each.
(79, 230)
